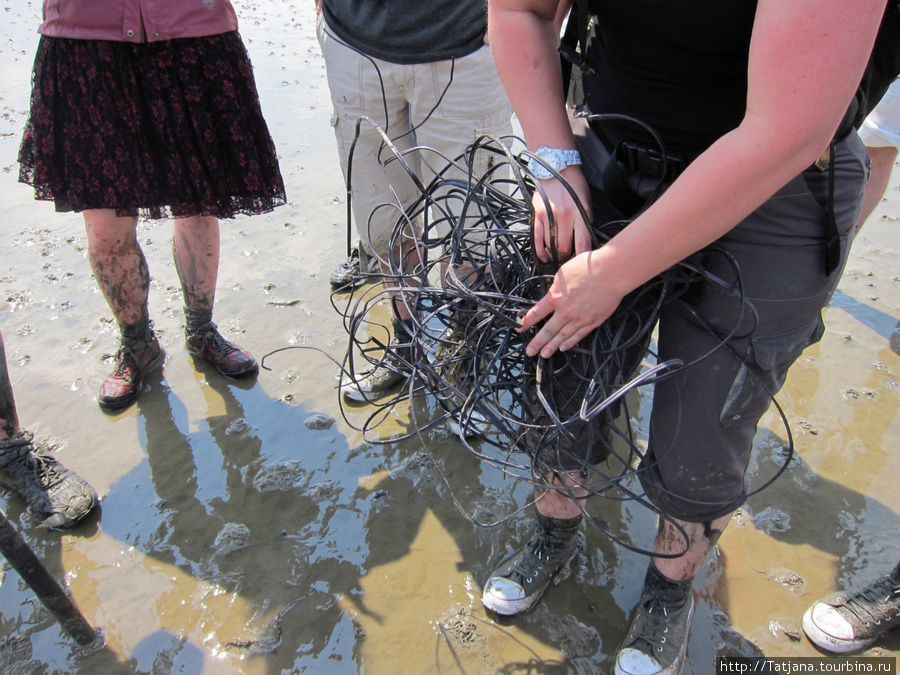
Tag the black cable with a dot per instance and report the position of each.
(466, 283)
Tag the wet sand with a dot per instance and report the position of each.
(248, 528)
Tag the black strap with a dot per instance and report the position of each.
(619, 192)
(573, 45)
(832, 237)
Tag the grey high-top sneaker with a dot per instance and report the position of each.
(656, 642)
(852, 620)
(392, 370)
(519, 581)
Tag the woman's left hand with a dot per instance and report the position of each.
(578, 301)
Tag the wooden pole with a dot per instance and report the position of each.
(33, 573)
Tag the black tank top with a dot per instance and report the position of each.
(678, 65)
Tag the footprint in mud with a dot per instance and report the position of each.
(771, 520)
(325, 491)
(462, 629)
(232, 537)
(787, 578)
(320, 422)
(281, 476)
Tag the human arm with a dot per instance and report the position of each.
(806, 59)
(533, 82)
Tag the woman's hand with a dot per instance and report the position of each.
(573, 234)
(579, 300)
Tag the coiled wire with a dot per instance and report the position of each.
(470, 278)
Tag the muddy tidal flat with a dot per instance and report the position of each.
(248, 527)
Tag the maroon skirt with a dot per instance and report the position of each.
(163, 129)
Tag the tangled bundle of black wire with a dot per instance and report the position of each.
(470, 277)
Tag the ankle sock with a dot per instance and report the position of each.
(673, 592)
(403, 330)
(557, 533)
(195, 318)
(139, 331)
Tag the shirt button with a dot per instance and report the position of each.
(130, 33)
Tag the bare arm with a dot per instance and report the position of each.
(806, 59)
(524, 41)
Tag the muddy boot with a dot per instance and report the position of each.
(519, 581)
(138, 354)
(229, 359)
(57, 497)
(392, 370)
(657, 638)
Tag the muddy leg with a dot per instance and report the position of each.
(558, 503)
(411, 261)
(195, 248)
(118, 264)
(9, 420)
(703, 536)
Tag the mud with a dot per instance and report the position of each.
(248, 528)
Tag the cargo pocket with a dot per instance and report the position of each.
(486, 158)
(763, 372)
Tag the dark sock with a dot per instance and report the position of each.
(403, 330)
(194, 319)
(139, 331)
(557, 533)
(672, 592)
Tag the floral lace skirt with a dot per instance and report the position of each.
(163, 129)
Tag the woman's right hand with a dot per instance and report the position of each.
(572, 233)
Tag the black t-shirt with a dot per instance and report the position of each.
(409, 31)
(678, 65)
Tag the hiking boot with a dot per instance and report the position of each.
(133, 360)
(354, 271)
(848, 622)
(519, 581)
(229, 359)
(55, 495)
(392, 370)
(656, 642)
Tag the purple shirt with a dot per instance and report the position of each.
(137, 20)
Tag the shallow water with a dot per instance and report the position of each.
(248, 528)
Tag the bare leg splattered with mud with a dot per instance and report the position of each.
(195, 248)
(118, 264)
(9, 420)
(702, 537)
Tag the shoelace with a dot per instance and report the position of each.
(526, 568)
(872, 605)
(46, 470)
(124, 358)
(127, 357)
(44, 466)
(218, 342)
(655, 628)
